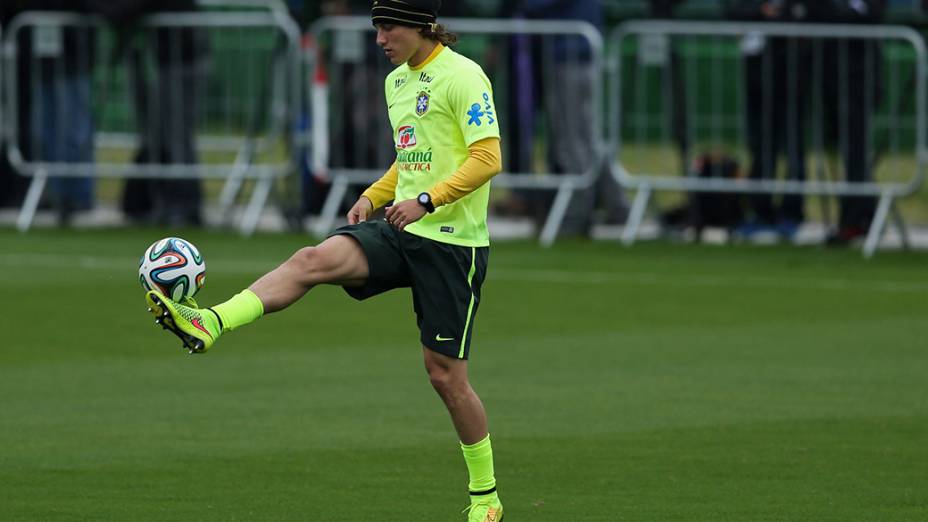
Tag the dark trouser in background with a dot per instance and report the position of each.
(569, 111)
(64, 133)
(776, 98)
(852, 89)
(167, 127)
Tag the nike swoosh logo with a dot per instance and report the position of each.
(439, 338)
(196, 323)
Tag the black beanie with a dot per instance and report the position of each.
(411, 13)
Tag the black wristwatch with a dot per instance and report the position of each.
(426, 201)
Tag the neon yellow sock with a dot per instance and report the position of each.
(244, 307)
(479, 459)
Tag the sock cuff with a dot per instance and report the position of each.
(479, 460)
(477, 447)
(243, 308)
(222, 327)
(253, 297)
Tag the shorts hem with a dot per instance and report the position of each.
(452, 353)
(358, 293)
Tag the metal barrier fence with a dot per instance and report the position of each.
(246, 120)
(719, 86)
(359, 137)
(188, 96)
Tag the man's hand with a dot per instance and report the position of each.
(404, 213)
(361, 210)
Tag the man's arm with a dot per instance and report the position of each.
(383, 190)
(484, 160)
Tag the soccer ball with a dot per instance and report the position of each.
(174, 267)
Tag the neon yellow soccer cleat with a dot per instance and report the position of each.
(197, 328)
(485, 509)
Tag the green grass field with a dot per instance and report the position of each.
(658, 383)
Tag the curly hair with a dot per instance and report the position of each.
(439, 33)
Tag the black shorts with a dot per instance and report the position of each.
(445, 281)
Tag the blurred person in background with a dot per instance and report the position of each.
(563, 72)
(434, 239)
(313, 180)
(358, 123)
(521, 62)
(673, 76)
(166, 106)
(853, 86)
(776, 79)
(54, 105)
(304, 12)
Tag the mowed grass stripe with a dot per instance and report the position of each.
(579, 276)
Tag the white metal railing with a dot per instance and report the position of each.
(249, 138)
(646, 183)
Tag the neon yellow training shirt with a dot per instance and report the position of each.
(437, 110)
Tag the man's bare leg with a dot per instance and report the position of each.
(449, 378)
(337, 260)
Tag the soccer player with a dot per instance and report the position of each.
(434, 238)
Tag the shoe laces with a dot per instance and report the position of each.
(479, 505)
(187, 313)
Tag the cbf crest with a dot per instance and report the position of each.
(422, 103)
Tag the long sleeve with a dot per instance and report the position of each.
(384, 189)
(484, 160)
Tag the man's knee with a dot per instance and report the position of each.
(440, 378)
(306, 259)
(312, 264)
(448, 379)
(336, 260)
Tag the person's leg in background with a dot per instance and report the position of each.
(569, 112)
(178, 85)
(138, 196)
(760, 125)
(521, 92)
(66, 137)
(857, 211)
(795, 68)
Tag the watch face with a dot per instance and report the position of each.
(426, 201)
